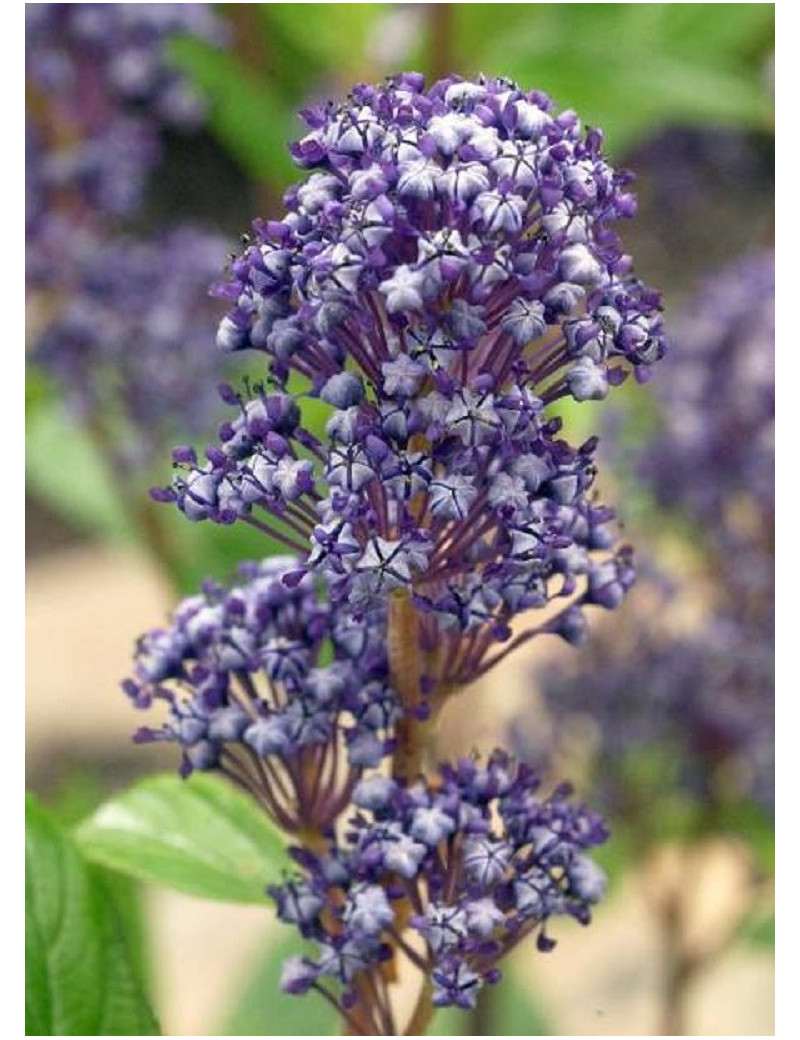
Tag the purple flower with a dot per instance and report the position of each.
(131, 344)
(703, 699)
(102, 87)
(703, 703)
(448, 271)
(477, 856)
(713, 455)
(247, 692)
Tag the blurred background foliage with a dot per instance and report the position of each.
(684, 94)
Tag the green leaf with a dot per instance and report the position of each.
(64, 469)
(718, 32)
(79, 974)
(694, 66)
(261, 1009)
(328, 33)
(248, 116)
(199, 836)
(75, 796)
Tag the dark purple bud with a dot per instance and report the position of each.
(227, 394)
(215, 456)
(184, 454)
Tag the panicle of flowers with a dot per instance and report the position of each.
(101, 87)
(448, 272)
(714, 457)
(705, 701)
(122, 325)
(127, 342)
(473, 861)
(272, 687)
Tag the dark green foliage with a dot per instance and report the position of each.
(80, 973)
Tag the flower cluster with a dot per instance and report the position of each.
(703, 701)
(715, 457)
(448, 272)
(455, 227)
(275, 689)
(101, 84)
(129, 339)
(128, 342)
(124, 326)
(472, 861)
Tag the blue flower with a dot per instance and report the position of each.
(448, 270)
(475, 855)
(239, 672)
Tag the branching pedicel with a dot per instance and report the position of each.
(443, 279)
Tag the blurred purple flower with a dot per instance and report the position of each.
(700, 708)
(101, 87)
(714, 456)
(130, 340)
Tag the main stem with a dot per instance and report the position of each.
(406, 665)
(405, 672)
